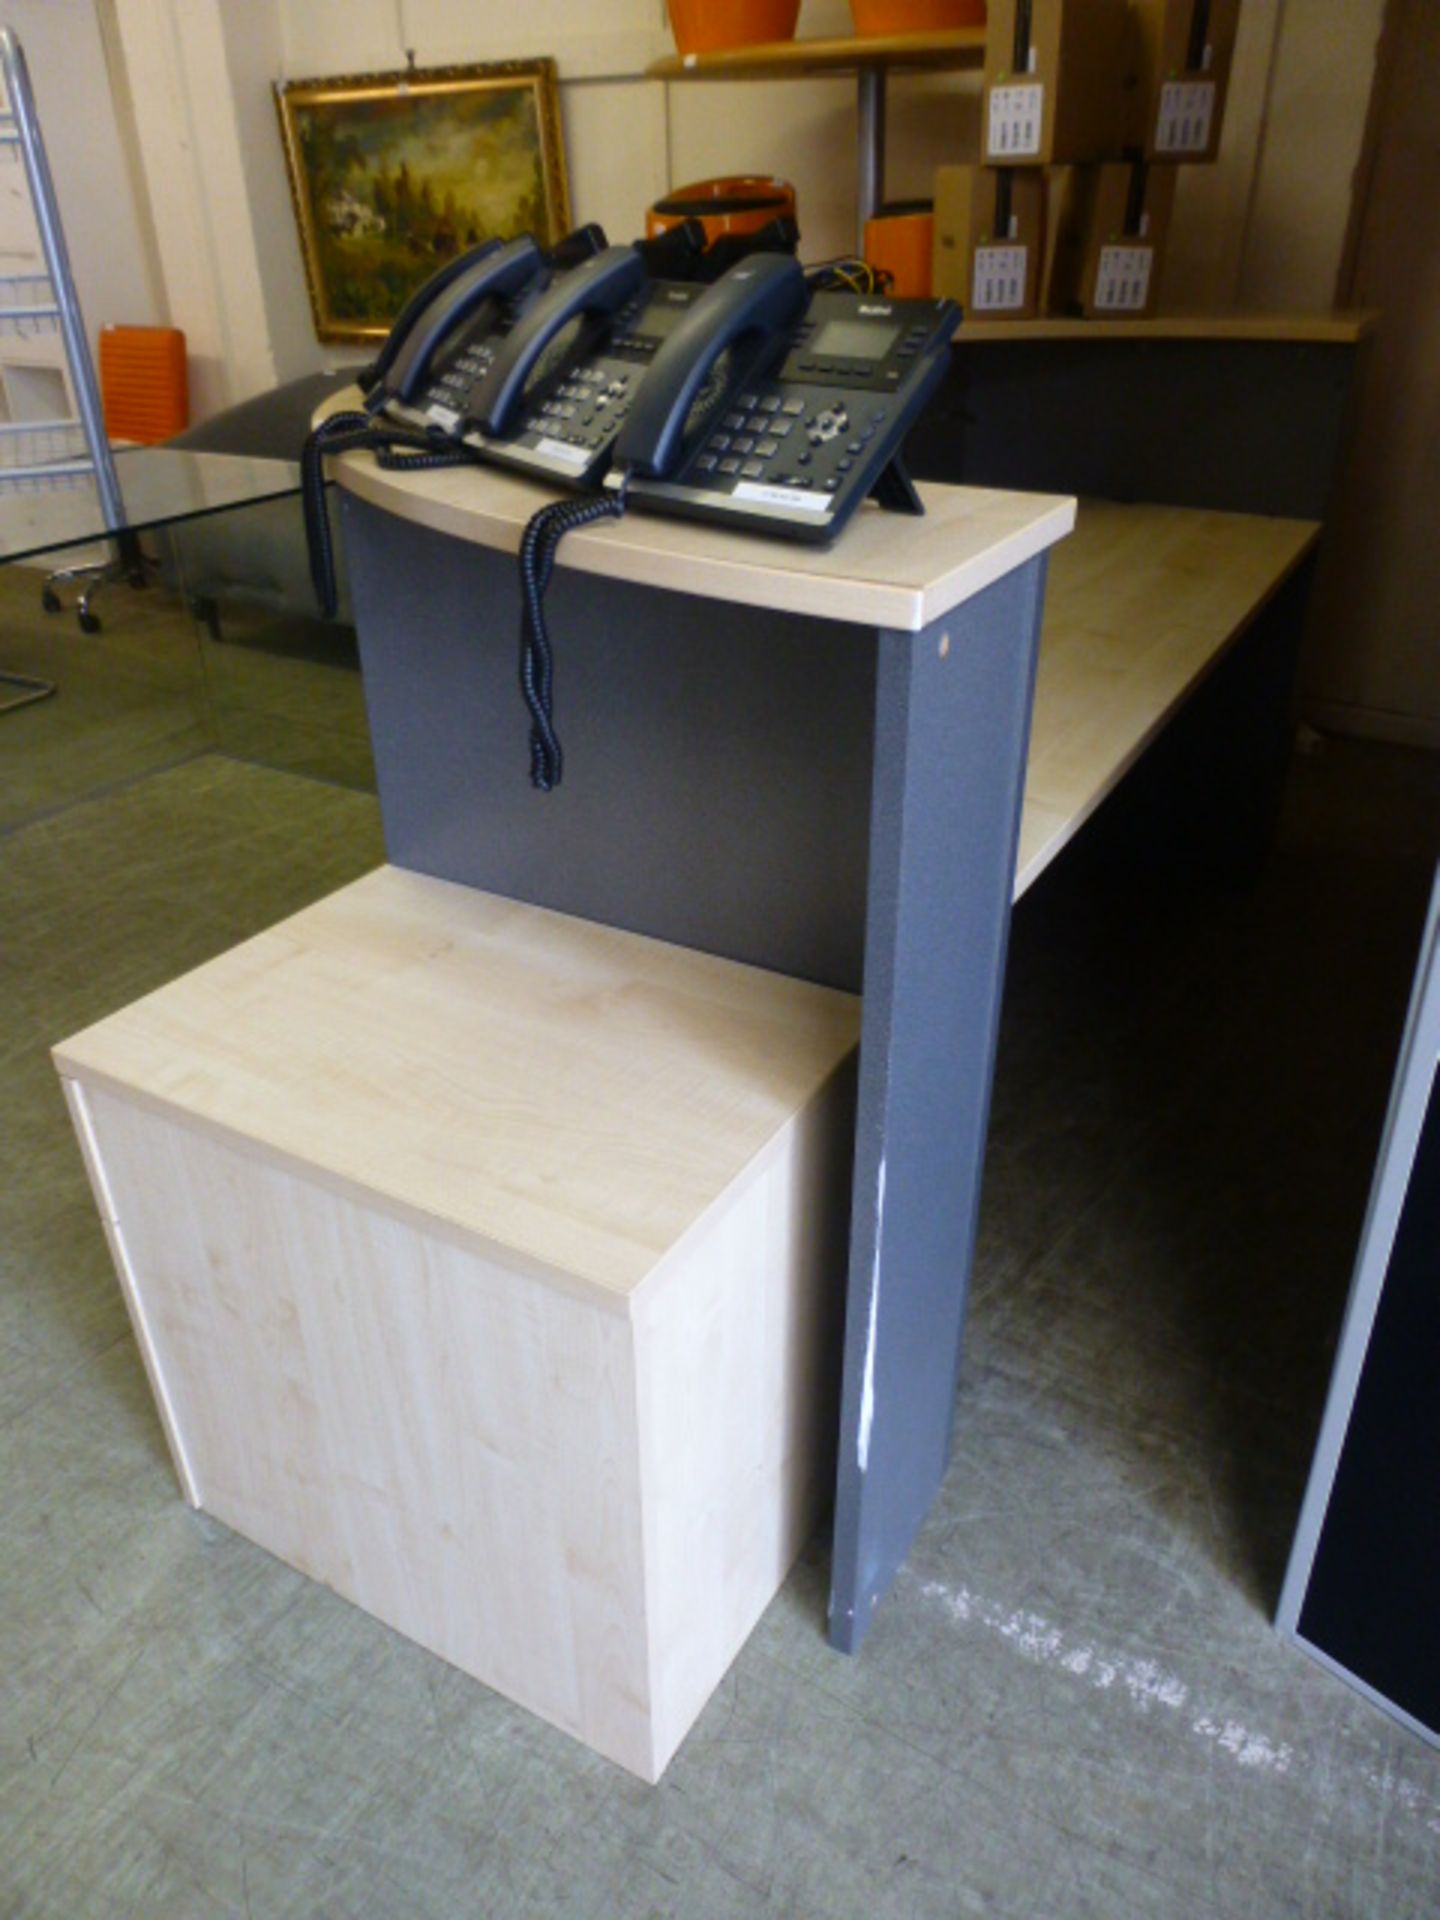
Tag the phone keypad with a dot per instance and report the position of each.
(831, 438)
(585, 410)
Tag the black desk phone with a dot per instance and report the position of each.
(749, 401)
(448, 332)
(777, 410)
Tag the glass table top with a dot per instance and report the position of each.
(159, 486)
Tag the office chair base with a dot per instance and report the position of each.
(128, 563)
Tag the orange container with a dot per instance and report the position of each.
(707, 26)
(899, 241)
(738, 203)
(916, 16)
(143, 383)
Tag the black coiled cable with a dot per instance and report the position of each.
(401, 449)
(538, 547)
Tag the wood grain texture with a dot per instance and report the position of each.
(81, 1115)
(737, 1342)
(1340, 328)
(447, 1444)
(571, 1096)
(879, 573)
(1139, 606)
(325, 1163)
(943, 50)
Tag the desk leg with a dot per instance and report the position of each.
(952, 718)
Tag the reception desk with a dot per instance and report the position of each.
(488, 1228)
(808, 760)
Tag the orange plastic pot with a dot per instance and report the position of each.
(706, 26)
(898, 240)
(738, 203)
(916, 16)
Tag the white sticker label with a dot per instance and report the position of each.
(1015, 116)
(563, 450)
(1122, 283)
(782, 496)
(1187, 112)
(999, 281)
(444, 417)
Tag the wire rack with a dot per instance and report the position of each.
(28, 308)
(37, 456)
(47, 455)
(43, 456)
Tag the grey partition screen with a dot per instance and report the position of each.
(1363, 1589)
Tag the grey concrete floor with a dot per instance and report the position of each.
(1072, 1705)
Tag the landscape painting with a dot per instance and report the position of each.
(394, 174)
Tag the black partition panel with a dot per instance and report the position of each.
(1373, 1600)
(1249, 426)
(1363, 1589)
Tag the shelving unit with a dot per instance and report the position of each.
(871, 60)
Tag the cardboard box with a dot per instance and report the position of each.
(989, 238)
(1181, 52)
(1055, 73)
(1109, 225)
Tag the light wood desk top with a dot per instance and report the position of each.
(1337, 328)
(571, 1097)
(1141, 601)
(1139, 606)
(885, 570)
(940, 50)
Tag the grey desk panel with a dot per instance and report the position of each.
(717, 758)
(952, 730)
(1249, 426)
(801, 794)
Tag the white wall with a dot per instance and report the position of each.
(107, 229)
(1314, 125)
(1265, 226)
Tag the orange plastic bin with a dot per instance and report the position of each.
(143, 383)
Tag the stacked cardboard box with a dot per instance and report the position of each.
(1088, 107)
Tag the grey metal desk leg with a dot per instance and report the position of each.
(952, 717)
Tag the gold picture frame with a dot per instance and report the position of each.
(392, 174)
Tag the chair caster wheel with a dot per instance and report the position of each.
(89, 622)
(50, 600)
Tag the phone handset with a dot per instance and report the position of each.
(746, 307)
(596, 288)
(493, 271)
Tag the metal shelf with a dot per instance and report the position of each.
(870, 58)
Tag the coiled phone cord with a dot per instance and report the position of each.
(538, 547)
(398, 449)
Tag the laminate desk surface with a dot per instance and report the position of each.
(1338, 327)
(1140, 605)
(560, 1091)
(886, 570)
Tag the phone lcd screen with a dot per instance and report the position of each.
(852, 340)
(659, 318)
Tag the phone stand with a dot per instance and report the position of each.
(895, 490)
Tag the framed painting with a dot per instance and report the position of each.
(393, 174)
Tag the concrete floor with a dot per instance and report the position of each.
(1072, 1705)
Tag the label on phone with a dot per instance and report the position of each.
(781, 496)
(998, 284)
(1122, 281)
(564, 450)
(445, 418)
(1187, 113)
(1015, 117)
